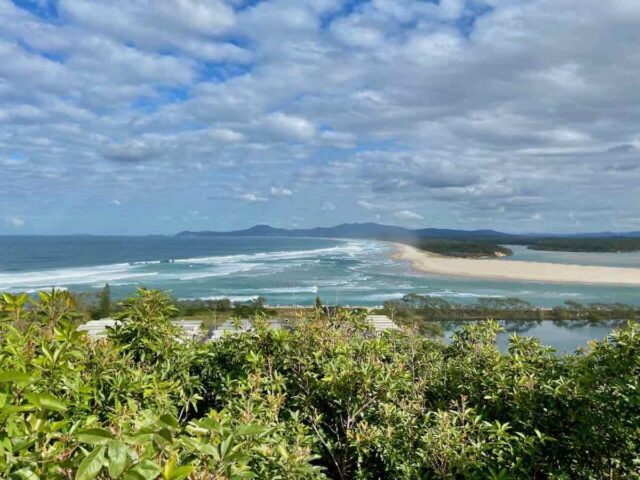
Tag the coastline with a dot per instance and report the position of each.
(426, 262)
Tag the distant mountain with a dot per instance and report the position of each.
(357, 230)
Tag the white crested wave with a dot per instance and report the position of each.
(450, 293)
(348, 272)
(70, 276)
(294, 289)
(167, 271)
(218, 272)
(376, 297)
(233, 298)
(349, 249)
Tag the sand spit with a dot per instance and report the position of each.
(428, 262)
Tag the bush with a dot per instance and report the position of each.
(328, 399)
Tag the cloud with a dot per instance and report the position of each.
(15, 222)
(367, 205)
(289, 126)
(226, 135)
(250, 197)
(482, 113)
(408, 215)
(280, 192)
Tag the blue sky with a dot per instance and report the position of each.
(135, 117)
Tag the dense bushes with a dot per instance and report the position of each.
(463, 248)
(328, 399)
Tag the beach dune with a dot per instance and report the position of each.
(428, 262)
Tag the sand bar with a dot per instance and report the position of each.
(428, 262)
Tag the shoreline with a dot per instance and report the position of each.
(426, 262)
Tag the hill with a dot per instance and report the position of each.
(374, 231)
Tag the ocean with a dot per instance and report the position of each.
(286, 271)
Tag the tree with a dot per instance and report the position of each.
(105, 301)
(318, 303)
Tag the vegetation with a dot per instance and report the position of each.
(104, 304)
(586, 244)
(488, 247)
(428, 315)
(491, 247)
(328, 399)
(463, 248)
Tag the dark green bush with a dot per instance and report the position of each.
(327, 399)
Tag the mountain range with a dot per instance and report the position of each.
(391, 232)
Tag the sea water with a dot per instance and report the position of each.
(285, 271)
(291, 271)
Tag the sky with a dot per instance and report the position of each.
(140, 117)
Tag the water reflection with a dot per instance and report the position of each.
(565, 336)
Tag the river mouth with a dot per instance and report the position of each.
(285, 271)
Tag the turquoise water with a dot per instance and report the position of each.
(283, 270)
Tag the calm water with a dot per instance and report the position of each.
(564, 337)
(284, 270)
(626, 259)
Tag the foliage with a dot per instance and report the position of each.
(421, 311)
(612, 244)
(463, 248)
(104, 305)
(328, 399)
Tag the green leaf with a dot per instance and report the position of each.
(52, 403)
(169, 421)
(7, 411)
(170, 466)
(94, 436)
(26, 474)
(91, 465)
(181, 473)
(250, 429)
(117, 451)
(145, 470)
(46, 401)
(11, 376)
(4, 395)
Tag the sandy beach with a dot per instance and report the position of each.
(428, 262)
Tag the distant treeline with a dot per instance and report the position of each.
(491, 247)
(586, 244)
(421, 310)
(463, 248)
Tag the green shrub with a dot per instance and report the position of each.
(328, 399)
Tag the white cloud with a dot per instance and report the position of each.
(280, 192)
(328, 206)
(15, 222)
(367, 205)
(226, 135)
(250, 197)
(408, 215)
(290, 126)
(529, 108)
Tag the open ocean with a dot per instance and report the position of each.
(285, 271)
